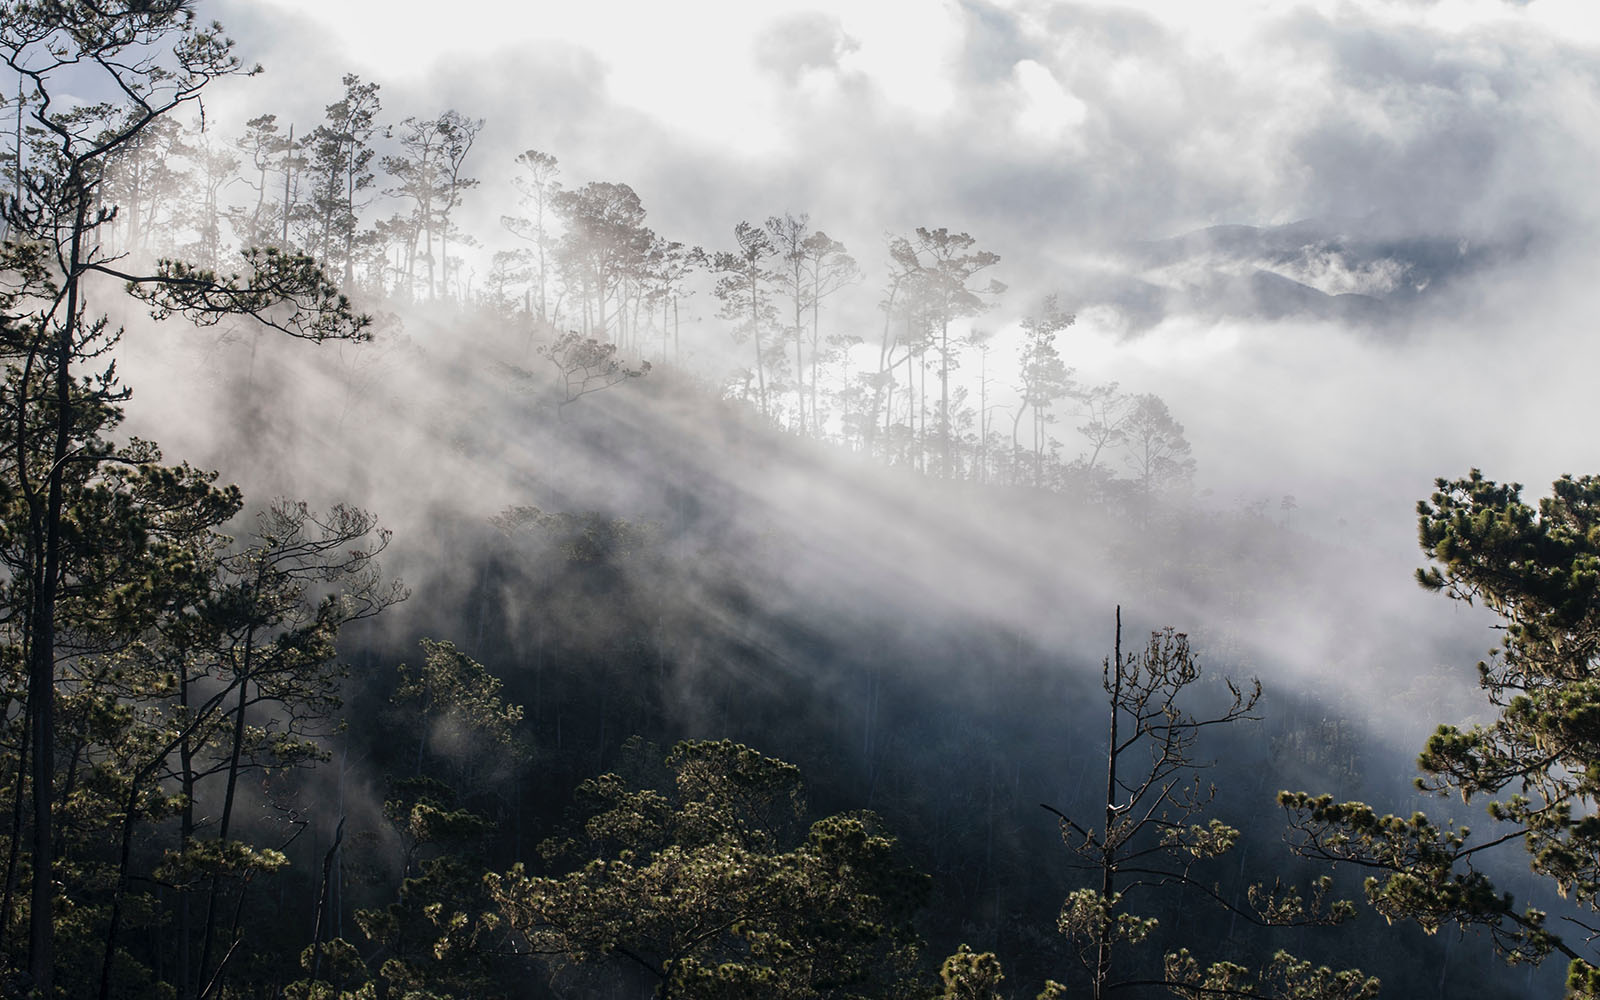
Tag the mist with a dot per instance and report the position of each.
(1389, 127)
(1348, 245)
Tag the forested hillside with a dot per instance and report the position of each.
(393, 609)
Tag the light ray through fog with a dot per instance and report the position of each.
(1441, 149)
(1442, 153)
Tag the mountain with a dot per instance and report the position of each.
(1346, 272)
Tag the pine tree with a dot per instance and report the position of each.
(157, 57)
(340, 155)
(1537, 762)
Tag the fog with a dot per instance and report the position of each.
(1077, 141)
(1412, 299)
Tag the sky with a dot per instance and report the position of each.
(1068, 123)
(708, 69)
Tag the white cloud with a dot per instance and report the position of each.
(693, 66)
(1047, 112)
(1044, 128)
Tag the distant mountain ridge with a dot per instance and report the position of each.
(1312, 269)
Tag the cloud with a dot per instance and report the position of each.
(793, 46)
(1046, 129)
(1048, 112)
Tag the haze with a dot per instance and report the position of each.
(1070, 139)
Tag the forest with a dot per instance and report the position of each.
(570, 611)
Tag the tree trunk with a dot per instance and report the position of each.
(208, 932)
(319, 928)
(17, 165)
(755, 338)
(186, 783)
(816, 335)
(799, 340)
(1108, 868)
(944, 399)
(14, 849)
(42, 622)
(288, 179)
(130, 814)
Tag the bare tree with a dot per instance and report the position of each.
(1152, 832)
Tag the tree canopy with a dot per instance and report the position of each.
(715, 886)
(1537, 762)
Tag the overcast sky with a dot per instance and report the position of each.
(1048, 124)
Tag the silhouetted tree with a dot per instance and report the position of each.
(1045, 378)
(744, 290)
(1152, 833)
(538, 187)
(671, 265)
(1155, 449)
(1107, 409)
(788, 234)
(606, 244)
(586, 365)
(457, 133)
(268, 153)
(946, 264)
(829, 269)
(340, 154)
